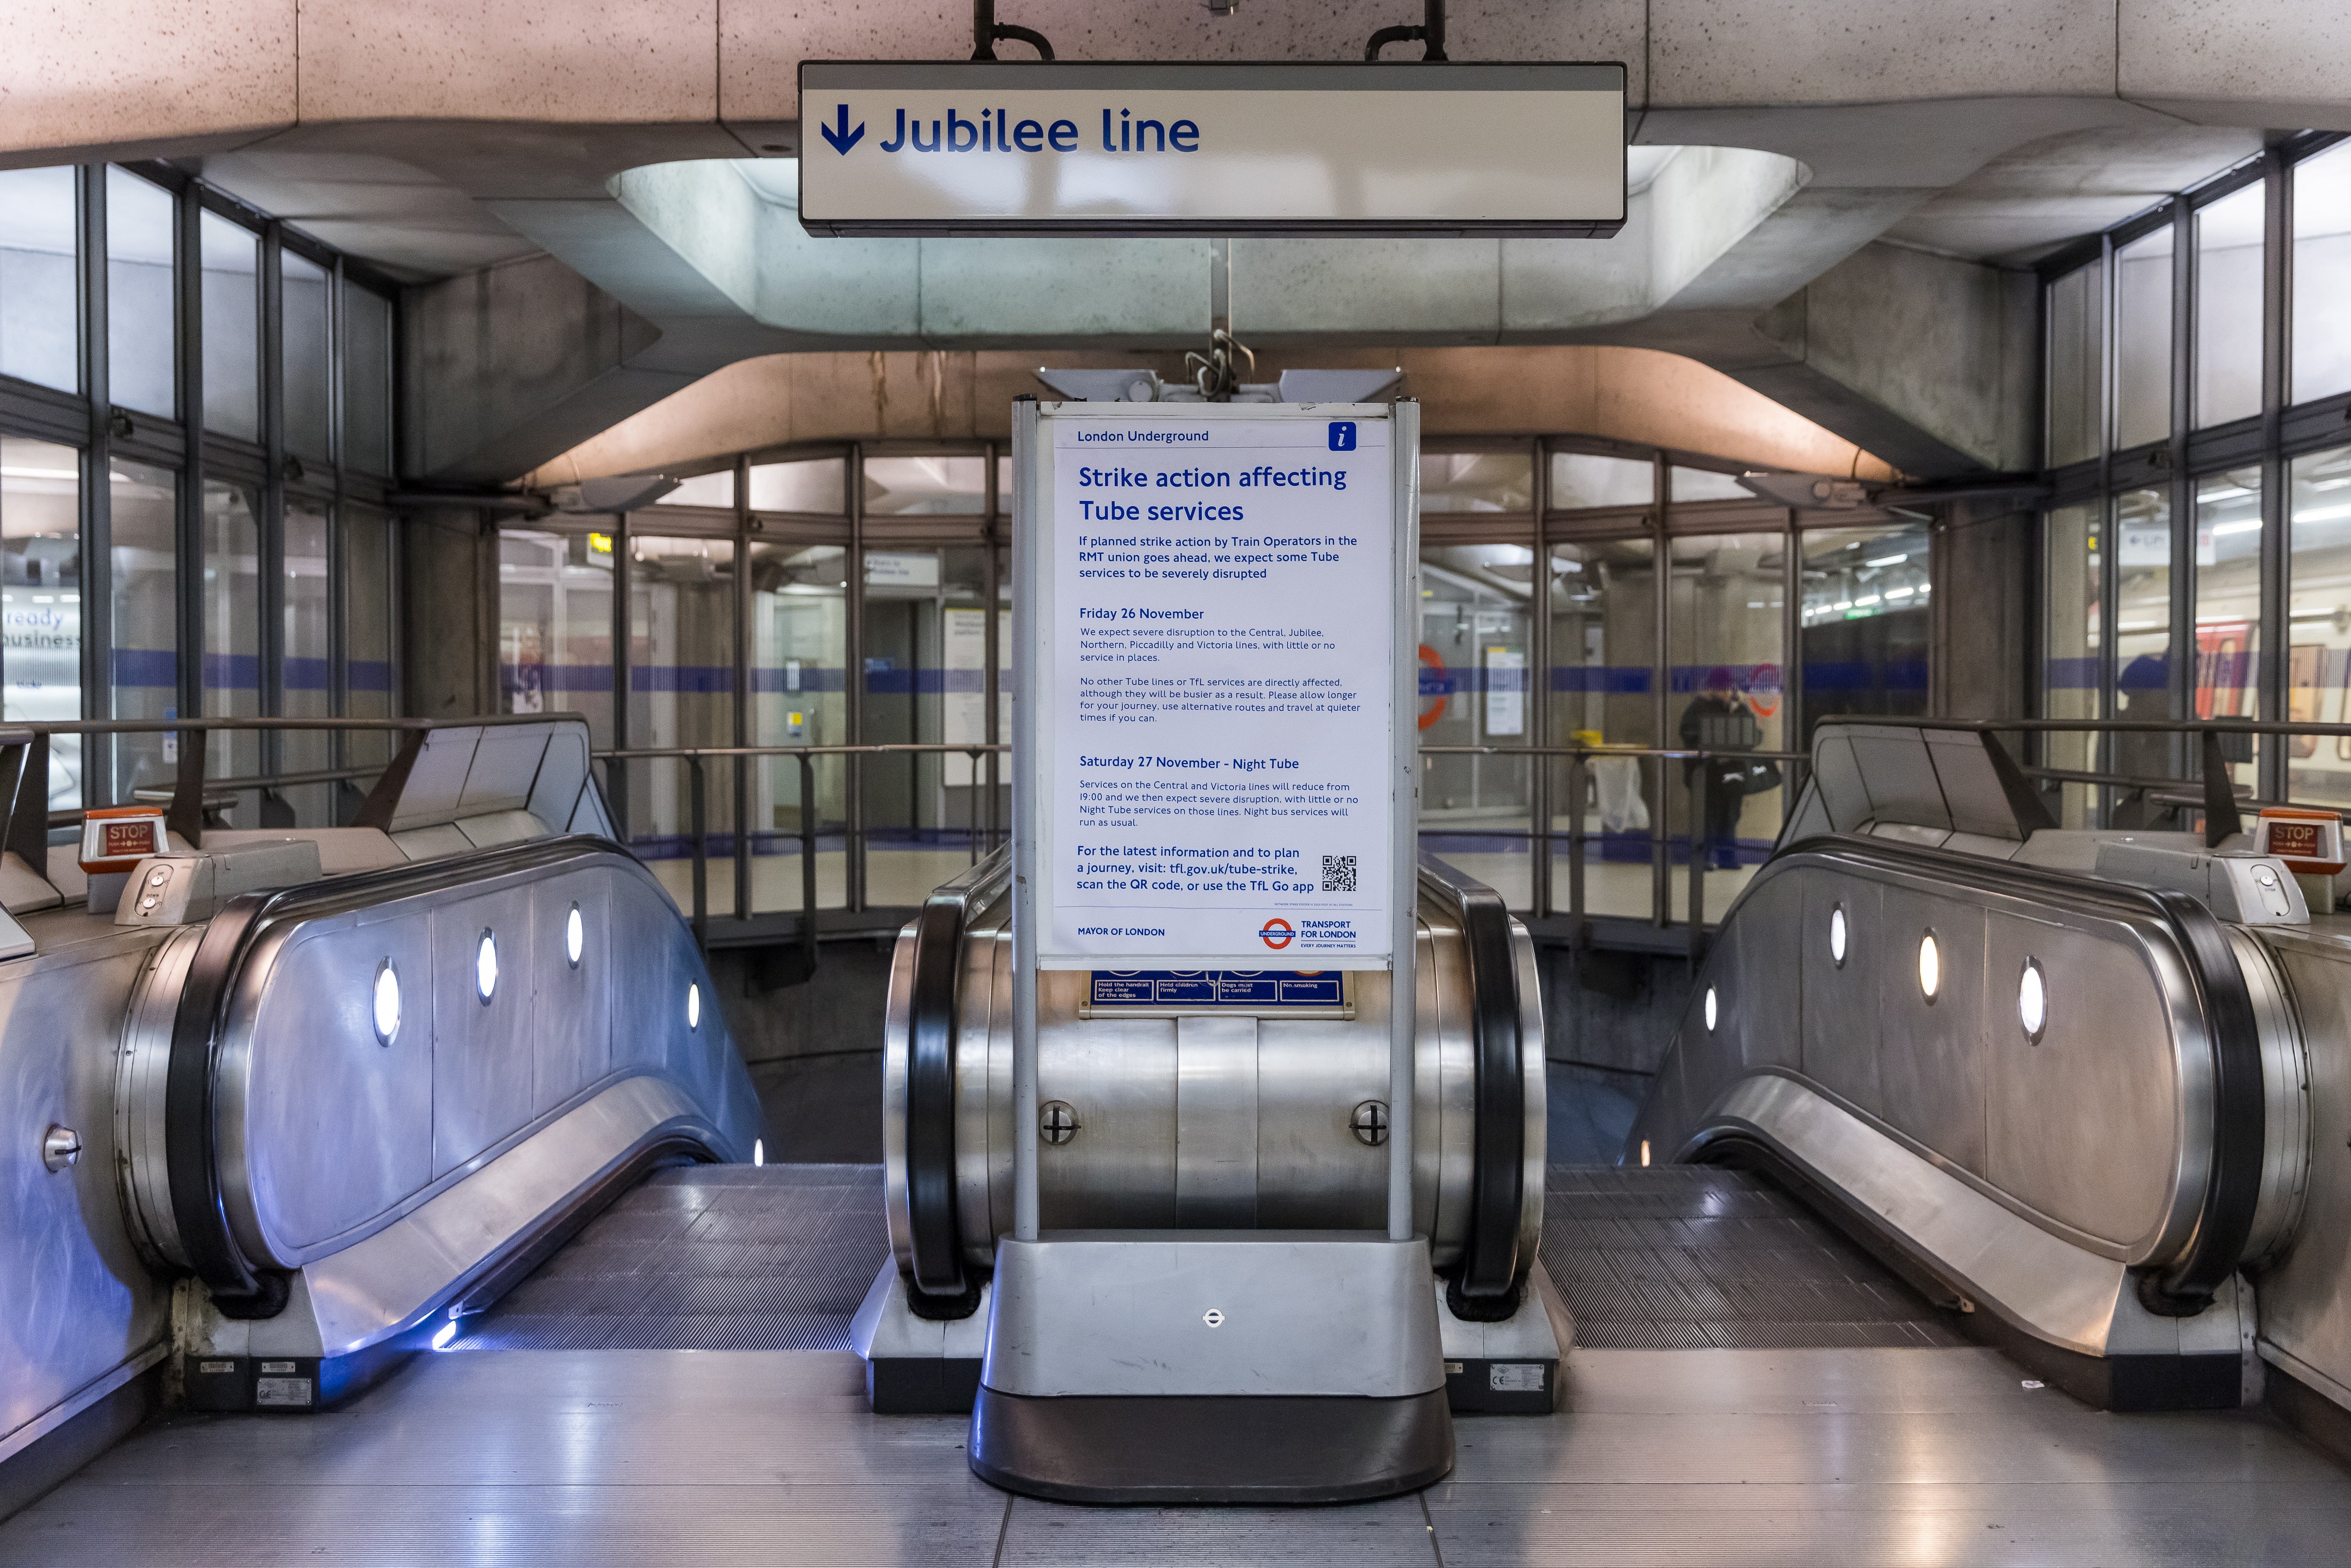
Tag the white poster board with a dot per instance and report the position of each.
(1213, 645)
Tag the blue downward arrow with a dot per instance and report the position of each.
(843, 139)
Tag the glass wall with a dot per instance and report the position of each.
(214, 530)
(2200, 629)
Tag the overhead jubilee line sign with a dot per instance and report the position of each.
(1013, 148)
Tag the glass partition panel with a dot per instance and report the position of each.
(2142, 340)
(1583, 479)
(39, 295)
(925, 486)
(367, 380)
(810, 485)
(304, 300)
(1706, 484)
(307, 675)
(145, 546)
(1862, 619)
(1477, 482)
(2144, 635)
(682, 693)
(2076, 306)
(1476, 625)
(367, 641)
(2229, 308)
(1724, 646)
(555, 628)
(232, 599)
(140, 305)
(2321, 275)
(925, 631)
(40, 597)
(2229, 600)
(716, 489)
(2318, 579)
(1603, 649)
(2069, 679)
(800, 697)
(232, 295)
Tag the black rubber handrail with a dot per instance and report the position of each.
(2183, 1285)
(240, 1287)
(942, 1288)
(1486, 1286)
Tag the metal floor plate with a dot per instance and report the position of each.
(705, 1258)
(1809, 1458)
(1695, 1257)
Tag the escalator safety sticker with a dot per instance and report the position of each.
(1516, 1377)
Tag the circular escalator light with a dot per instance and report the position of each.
(1930, 967)
(1710, 1012)
(694, 1006)
(758, 1150)
(574, 935)
(1836, 935)
(387, 1002)
(485, 966)
(2032, 1000)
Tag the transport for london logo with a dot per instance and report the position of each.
(1276, 933)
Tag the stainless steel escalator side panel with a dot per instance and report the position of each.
(461, 1079)
(1532, 1070)
(2090, 1133)
(81, 1314)
(2067, 1295)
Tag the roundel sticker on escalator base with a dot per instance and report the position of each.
(1276, 933)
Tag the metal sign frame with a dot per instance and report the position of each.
(1033, 623)
(1485, 90)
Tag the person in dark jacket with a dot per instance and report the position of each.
(1727, 778)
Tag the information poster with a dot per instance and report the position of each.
(1216, 731)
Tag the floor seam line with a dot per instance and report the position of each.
(1003, 1533)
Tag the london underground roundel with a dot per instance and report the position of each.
(1276, 933)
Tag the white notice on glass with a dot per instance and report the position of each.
(1218, 739)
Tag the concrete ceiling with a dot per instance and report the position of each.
(412, 224)
(2027, 202)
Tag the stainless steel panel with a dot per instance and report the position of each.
(1119, 1075)
(437, 781)
(1216, 1122)
(482, 1051)
(571, 1019)
(2306, 1295)
(1313, 1171)
(1900, 778)
(1971, 787)
(322, 1128)
(1179, 1313)
(1838, 1002)
(76, 1300)
(1930, 1068)
(2085, 1125)
(1759, 991)
(506, 763)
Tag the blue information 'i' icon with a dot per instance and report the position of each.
(1342, 435)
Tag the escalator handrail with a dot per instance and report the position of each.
(200, 1031)
(2225, 1212)
(940, 1285)
(1490, 1268)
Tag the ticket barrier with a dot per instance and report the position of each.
(1213, 1310)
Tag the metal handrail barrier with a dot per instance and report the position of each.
(694, 756)
(1701, 844)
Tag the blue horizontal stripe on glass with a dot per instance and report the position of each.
(233, 672)
(1607, 680)
(688, 679)
(813, 678)
(307, 674)
(375, 675)
(546, 678)
(146, 667)
(2072, 674)
(1864, 675)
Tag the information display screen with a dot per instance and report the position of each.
(1216, 668)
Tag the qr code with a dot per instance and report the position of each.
(1338, 873)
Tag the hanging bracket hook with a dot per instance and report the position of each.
(985, 30)
(1431, 33)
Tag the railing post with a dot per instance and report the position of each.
(808, 859)
(1575, 845)
(1699, 846)
(701, 863)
